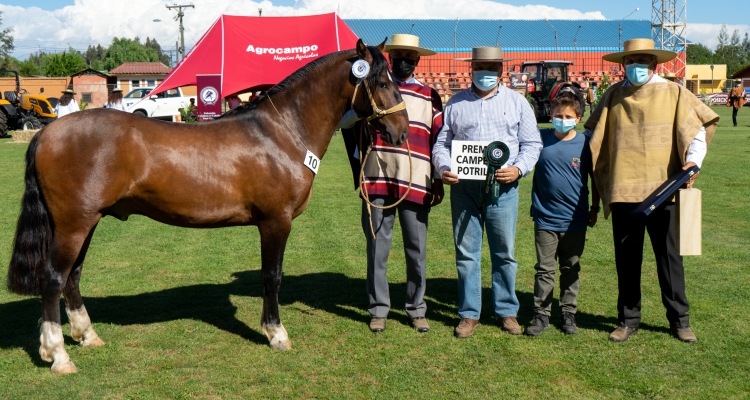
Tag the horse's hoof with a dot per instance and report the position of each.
(282, 345)
(66, 368)
(96, 342)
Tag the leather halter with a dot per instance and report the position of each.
(376, 111)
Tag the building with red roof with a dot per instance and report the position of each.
(131, 75)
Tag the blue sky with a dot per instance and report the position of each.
(701, 11)
(61, 24)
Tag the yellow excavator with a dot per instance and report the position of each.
(20, 110)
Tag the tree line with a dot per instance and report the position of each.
(71, 60)
(731, 50)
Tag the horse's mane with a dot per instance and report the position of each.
(379, 63)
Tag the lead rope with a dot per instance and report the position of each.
(363, 187)
(377, 113)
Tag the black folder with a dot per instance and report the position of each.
(665, 191)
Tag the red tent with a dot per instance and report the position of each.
(254, 51)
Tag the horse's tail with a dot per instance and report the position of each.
(33, 233)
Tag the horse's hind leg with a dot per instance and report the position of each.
(80, 323)
(273, 237)
(62, 256)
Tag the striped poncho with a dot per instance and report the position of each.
(387, 168)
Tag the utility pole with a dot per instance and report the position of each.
(575, 47)
(179, 16)
(619, 35)
(557, 47)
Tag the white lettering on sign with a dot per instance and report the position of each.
(312, 162)
(281, 50)
(298, 57)
(467, 159)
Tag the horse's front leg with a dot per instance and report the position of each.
(273, 237)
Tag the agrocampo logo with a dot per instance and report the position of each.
(286, 53)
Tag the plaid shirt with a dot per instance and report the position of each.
(505, 116)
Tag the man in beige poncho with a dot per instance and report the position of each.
(645, 129)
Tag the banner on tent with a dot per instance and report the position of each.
(209, 97)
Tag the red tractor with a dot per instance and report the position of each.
(544, 80)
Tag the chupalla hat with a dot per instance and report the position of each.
(486, 54)
(640, 46)
(405, 41)
(115, 90)
(68, 91)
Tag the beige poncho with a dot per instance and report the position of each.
(641, 136)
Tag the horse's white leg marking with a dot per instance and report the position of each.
(278, 337)
(81, 329)
(52, 349)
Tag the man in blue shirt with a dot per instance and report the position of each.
(487, 112)
(559, 205)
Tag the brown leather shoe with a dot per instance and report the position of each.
(377, 324)
(510, 325)
(420, 324)
(466, 327)
(684, 334)
(622, 333)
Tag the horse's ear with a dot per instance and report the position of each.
(361, 49)
(381, 46)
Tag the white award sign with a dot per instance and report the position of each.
(467, 159)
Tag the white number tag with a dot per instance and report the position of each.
(312, 162)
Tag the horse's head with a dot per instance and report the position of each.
(378, 98)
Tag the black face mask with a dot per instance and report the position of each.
(403, 67)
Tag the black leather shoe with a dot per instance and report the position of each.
(622, 333)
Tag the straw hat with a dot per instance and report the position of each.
(68, 91)
(486, 54)
(640, 46)
(404, 41)
(738, 80)
(115, 90)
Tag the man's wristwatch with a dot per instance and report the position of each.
(595, 208)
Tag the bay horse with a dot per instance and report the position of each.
(245, 168)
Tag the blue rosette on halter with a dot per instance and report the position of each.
(496, 154)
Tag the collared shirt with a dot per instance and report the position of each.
(505, 116)
(698, 147)
(411, 80)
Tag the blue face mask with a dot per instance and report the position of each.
(484, 80)
(563, 125)
(637, 73)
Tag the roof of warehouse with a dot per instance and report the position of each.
(437, 34)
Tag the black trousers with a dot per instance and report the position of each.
(734, 115)
(628, 235)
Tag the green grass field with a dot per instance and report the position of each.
(179, 309)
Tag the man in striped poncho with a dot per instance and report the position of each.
(387, 178)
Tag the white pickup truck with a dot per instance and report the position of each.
(164, 105)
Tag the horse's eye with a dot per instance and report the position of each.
(384, 85)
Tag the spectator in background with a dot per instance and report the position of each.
(736, 99)
(115, 100)
(67, 104)
(233, 101)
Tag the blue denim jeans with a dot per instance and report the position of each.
(470, 218)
